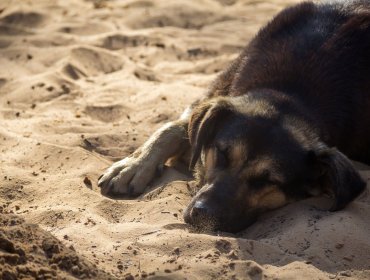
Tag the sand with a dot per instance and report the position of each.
(83, 84)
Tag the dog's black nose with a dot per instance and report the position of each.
(201, 216)
(199, 210)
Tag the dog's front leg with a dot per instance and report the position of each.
(131, 175)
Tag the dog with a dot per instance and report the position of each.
(277, 126)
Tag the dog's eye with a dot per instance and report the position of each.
(263, 179)
(221, 156)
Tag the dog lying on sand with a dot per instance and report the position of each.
(278, 125)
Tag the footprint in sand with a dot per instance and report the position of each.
(24, 19)
(108, 113)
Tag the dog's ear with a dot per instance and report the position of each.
(336, 174)
(203, 124)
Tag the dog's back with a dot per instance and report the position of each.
(319, 53)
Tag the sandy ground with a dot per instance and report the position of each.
(84, 83)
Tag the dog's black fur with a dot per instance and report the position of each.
(318, 55)
(311, 66)
(277, 125)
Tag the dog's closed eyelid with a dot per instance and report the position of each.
(277, 179)
(221, 157)
(275, 182)
(222, 148)
(272, 178)
(266, 178)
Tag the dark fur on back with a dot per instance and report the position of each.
(318, 54)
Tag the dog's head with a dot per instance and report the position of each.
(249, 159)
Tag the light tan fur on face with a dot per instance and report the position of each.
(209, 158)
(238, 155)
(267, 198)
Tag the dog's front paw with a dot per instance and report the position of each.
(128, 176)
